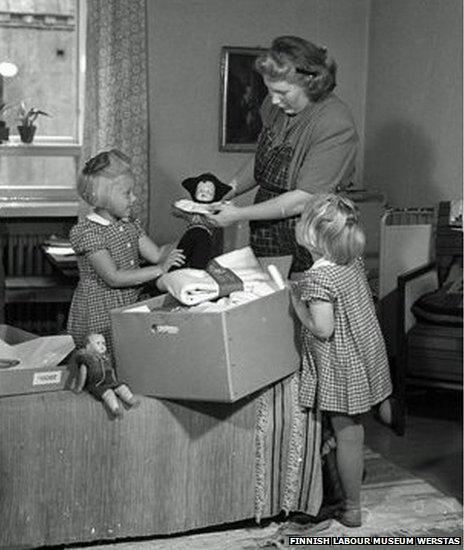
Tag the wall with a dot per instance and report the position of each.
(185, 39)
(414, 101)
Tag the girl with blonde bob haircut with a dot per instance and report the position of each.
(115, 256)
(96, 180)
(329, 227)
(345, 370)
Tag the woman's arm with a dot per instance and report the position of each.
(318, 316)
(103, 264)
(285, 205)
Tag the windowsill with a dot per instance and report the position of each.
(39, 148)
(38, 202)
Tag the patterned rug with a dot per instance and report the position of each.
(394, 502)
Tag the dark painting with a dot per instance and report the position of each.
(242, 92)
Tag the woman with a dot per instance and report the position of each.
(307, 145)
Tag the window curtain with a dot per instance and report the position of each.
(116, 102)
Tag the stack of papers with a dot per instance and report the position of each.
(59, 250)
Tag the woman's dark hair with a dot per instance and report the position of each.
(300, 62)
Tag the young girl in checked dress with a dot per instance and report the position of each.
(345, 370)
(109, 246)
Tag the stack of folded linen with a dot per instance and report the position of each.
(236, 271)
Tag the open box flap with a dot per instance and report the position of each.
(43, 352)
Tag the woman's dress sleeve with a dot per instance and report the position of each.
(330, 161)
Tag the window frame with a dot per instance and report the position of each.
(33, 197)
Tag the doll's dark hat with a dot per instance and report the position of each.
(220, 188)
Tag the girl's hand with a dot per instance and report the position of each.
(175, 258)
(294, 293)
(297, 304)
(225, 214)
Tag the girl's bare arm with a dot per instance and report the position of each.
(317, 316)
(104, 265)
(153, 253)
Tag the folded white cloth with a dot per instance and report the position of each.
(244, 264)
(193, 286)
(192, 207)
(253, 292)
(190, 286)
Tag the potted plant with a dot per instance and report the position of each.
(27, 118)
(4, 130)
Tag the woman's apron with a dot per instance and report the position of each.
(275, 237)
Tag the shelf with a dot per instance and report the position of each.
(38, 208)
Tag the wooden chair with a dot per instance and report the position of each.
(431, 353)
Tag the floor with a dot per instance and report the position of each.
(433, 445)
(431, 449)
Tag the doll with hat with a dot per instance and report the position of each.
(198, 241)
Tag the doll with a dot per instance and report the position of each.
(97, 375)
(198, 241)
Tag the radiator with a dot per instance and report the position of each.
(406, 242)
(23, 257)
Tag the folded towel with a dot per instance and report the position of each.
(190, 286)
(224, 275)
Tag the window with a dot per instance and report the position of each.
(45, 42)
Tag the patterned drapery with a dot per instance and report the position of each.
(116, 104)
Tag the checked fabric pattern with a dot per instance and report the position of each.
(349, 372)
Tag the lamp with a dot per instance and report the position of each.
(7, 70)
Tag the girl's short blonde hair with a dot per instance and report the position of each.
(98, 174)
(330, 226)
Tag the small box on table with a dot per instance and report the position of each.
(30, 363)
(205, 356)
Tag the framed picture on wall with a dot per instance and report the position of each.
(242, 92)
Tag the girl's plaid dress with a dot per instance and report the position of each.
(94, 299)
(349, 372)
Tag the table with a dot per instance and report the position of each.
(66, 264)
(69, 474)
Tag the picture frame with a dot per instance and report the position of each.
(242, 91)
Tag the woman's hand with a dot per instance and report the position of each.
(225, 214)
(175, 258)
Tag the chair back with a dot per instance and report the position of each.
(448, 244)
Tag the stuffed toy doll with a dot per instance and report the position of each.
(198, 241)
(97, 375)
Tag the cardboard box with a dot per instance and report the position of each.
(205, 356)
(36, 361)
